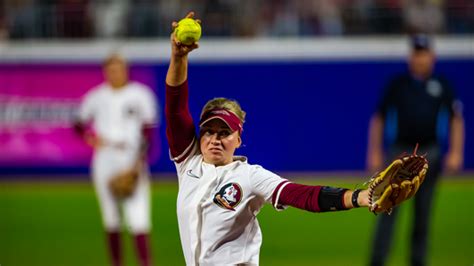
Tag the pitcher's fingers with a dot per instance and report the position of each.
(190, 14)
(185, 49)
(174, 24)
(194, 46)
(175, 40)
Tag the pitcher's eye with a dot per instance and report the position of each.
(224, 133)
(207, 132)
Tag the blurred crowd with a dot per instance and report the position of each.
(20, 19)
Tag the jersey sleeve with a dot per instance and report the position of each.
(264, 183)
(88, 106)
(180, 129)
(150, 107)
(187, 160)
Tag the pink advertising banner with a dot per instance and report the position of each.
(38, 104)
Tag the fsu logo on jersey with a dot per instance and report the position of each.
(229, 196)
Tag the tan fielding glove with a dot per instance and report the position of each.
(123, 184)
(397, 183)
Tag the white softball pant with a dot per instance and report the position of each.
(135, 210)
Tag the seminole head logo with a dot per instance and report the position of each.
(229, 196)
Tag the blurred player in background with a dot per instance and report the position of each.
(220, 194)
(123, 116)
(417, 107)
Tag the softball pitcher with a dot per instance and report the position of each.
(123, 114)
(220, 194)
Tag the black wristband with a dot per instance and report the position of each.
(355, 196)
(331, 199)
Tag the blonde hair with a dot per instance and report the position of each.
(224, 103)
(114, 58)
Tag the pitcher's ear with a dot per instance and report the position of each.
(240, 142)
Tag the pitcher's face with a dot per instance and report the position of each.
(218, 142)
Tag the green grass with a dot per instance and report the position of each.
(59, 224)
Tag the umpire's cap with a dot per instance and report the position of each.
(420, 42)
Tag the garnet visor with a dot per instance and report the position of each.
(231, 119)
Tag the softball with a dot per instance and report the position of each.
(188, 31)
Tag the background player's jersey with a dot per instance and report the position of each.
(118, 115)
(217, 208)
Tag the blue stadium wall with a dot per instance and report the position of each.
(310, 116)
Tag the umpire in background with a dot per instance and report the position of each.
(417, 107)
